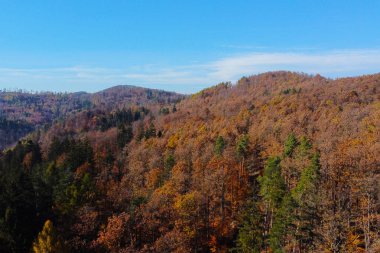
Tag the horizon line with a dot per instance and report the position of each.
(311, 75)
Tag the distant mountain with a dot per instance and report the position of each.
(21, 113)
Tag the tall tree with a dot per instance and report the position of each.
(48, 240)
(219, 146)
(290, 144)
(273, 189)
(307, 197)
(250, 237)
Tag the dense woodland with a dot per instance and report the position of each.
(22, 112)
(278, 162)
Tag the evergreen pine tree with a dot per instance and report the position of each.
(283, 219)
(219, 146)
(306, 196)
(272, 184)
(250, 239)
(290, 144)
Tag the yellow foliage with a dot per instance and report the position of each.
(335, 120)
(185, 203)
(244, 114)
(355, 142)
(371, 128)
(202, 129)
(186, 206)
(47, 240)
(329, 102)
(264, 108)
(276, 100)
(191, 232)
(293, 106)
(153, 178)
(173, 141)
(355, 243)
(166, 189)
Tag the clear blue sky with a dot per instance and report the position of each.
(181, 45)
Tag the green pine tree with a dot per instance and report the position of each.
(219, 146)
(277, 202)
(306, 196)
(283, 219)
(250, 236)
(242, 146)
(304, 146)
(290, 144)
(272, 184)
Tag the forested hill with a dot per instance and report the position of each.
(22, 112)
(279, 162)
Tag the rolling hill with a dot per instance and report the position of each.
(21, 113)
(278, 162)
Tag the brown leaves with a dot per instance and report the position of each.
(113, 235)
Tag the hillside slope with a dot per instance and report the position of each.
(21, 113)
(280, 161)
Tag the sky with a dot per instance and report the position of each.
(182, 46)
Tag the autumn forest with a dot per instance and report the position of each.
(278, 162)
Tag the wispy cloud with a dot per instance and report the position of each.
(333, 64)
(192, 77)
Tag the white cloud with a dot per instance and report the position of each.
(190, 78)
(332, 64)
